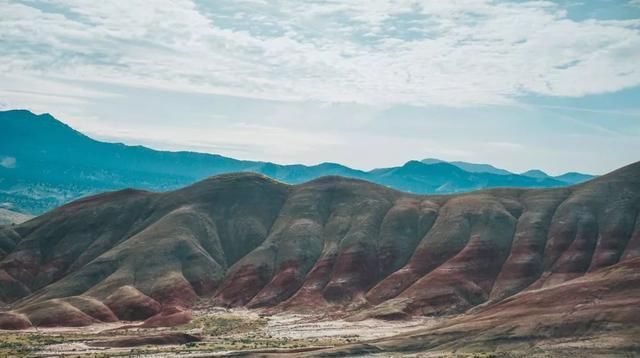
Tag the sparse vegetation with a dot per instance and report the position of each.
(22, 344)
(220, 332)
(224, 324)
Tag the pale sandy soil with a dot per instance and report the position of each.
(93, 329)
(76, 348)
(298, 326)
(281, 332)
(287, 330)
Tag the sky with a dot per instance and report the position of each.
(365, 83)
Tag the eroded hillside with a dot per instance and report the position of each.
(353, 246)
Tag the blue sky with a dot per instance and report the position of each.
(519, 84)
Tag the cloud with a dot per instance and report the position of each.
(463, 53)
(8, 162)
(240, 140)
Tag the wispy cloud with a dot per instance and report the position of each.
(241, 140)
(382, 52)
(627, 113)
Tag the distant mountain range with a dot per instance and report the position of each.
(569, 178)
(44, 163)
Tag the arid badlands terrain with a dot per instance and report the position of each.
(240, 264)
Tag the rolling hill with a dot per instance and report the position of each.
(45, 163)
(336, 244)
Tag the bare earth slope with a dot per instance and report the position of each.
(9, 217)
(596, 315)
(343, 244)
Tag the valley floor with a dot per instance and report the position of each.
(219, 332)
(222, 332)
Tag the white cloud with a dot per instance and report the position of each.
(239, 140)
(8, 162)
(462, 53)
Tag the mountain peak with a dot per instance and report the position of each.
(25, 113)
(470, 167)
(535, 173)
